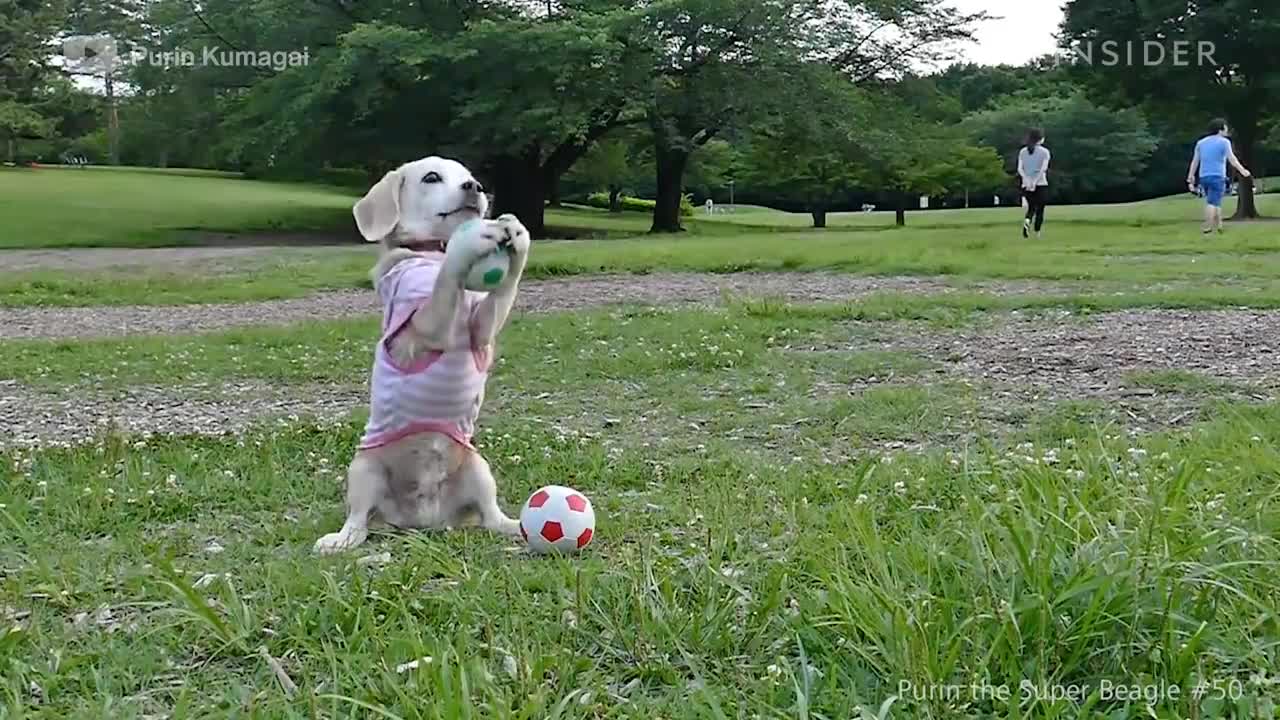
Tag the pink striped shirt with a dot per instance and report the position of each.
(442, 391)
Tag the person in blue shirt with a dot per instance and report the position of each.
(1211, 157)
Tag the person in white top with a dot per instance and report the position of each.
(1033, 170)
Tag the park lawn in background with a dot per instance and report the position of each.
(61, 207)
(1161, 211)
(144, 207)
(66, 207)
(1245, 258)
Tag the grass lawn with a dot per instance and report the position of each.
(1243, 259)
(966, 504)
(1162, 211)
(1150, 242)
(146, 207)
(754, 557)
(124, 208)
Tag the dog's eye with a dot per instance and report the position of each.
(431, 177)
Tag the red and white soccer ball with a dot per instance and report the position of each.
(557, 519)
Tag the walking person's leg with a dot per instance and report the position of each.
(1042, 200)
(1214, 187)
(1029, 200)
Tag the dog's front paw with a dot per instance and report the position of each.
(516, 236)
(473, 241)
(337, 542)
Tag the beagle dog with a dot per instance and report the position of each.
(415, 466)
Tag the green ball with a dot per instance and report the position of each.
(491, 269)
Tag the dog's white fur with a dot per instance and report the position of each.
(428, 480)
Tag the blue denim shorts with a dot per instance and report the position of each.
(1214, 188)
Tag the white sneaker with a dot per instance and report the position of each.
(1026, 228)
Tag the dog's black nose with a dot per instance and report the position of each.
(472, 186)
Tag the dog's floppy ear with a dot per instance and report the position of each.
(378, 212)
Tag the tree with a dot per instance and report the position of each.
(971, 168)
(977, 87)
(908, 156)
(539, 116)
(1239, 76)
(723, 63)
(1096, 151)
(710, 167)
(122, 24)
(934, 163)
(812, 158)
(981, 87)
(714, 64)
(606, 166)
(27, 27)
(517, 94)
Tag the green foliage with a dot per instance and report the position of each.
(601, 200)
(815, 157)
(608, 164)
(907, 155)
(1095, 150)
(964, 167)
(710, 168)
(27, 27)
(22, 120)
(1232, 81)
(981, 87)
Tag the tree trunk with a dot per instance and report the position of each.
(520, 188)
(113, 121)
(1246, 205)
(553, 191)
(615, 199)
(13, 150)
(373, 172)
(1245, 133)
(819, 217)
(671, 164)
(900, 213)
(966, 199)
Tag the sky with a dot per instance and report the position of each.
(1023, 31)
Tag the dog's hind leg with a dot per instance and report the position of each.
(366, 484)
(475, 491)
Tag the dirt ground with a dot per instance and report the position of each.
(122, 258)
(1014, 364)
(689, 289)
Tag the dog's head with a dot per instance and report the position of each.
(420, 202)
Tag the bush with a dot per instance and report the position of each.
(95, 147)
(601, 200)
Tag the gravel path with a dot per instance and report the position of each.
(1015, 363)
(1026, 364)
(535, 296)
(1068, 356)
(207, 249)
(108, 258)
(35, 416)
